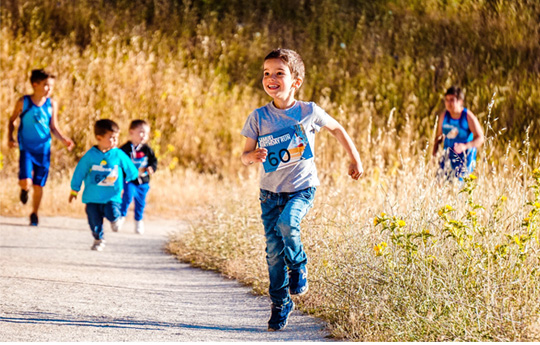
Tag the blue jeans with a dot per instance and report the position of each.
(282, 214)
(137, 192)
(96, 213)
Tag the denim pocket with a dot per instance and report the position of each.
(308, 193)
(263, 196)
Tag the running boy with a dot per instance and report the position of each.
(145, 160)
(285, 131)
(461, 133)
(38, 114)
(102, 169)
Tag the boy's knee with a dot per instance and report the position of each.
(288, 230)
(25, 184)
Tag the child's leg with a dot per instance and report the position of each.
(111, 211)
(288, 225)
(140, 200)
(95, 219)
(127, 197)
(277, 269)
(41, 165)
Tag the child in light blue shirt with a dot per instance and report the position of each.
(281, 136)
(102, 169)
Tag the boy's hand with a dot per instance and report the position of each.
(72, 196)
(150, 170)
(258, 156)
(69, 144)
(460, 147)
(355, 170)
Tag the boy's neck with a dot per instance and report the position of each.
(284, 104)
(103, 149)
(38, 100)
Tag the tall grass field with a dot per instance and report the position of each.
(395, 256)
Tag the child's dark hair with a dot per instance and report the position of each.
(39, 75)
(103, 126)
(137, 123)
(455, 91)
(291, 58)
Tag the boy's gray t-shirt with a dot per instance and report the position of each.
(269, 119)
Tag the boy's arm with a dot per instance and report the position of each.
(152, 161)
(56, 131)
(11, 126)
(477, 131)
(252, 154)
(438, 135)
(355, 167)
(78, 176)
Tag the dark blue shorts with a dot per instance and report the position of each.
(34, 166)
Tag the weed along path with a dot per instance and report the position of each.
(54, 288)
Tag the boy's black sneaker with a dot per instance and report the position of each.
(280, 316)
(298, 284)
(24, 196)
(34, 219)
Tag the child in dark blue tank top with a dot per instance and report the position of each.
(461, 134)
(37, 114)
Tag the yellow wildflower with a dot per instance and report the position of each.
(157, 134)
(473, 177)
(537, 204)
(383, 214)
(503, 198)
(375, 221)
(448, 208)
(472, 213)
(401, 223)
(170, 148)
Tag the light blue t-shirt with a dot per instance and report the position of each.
(34, 133)
(103, 174)
(269, 119)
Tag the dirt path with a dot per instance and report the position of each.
(54, 288)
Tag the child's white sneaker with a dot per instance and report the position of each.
(117, 226)
(139, 227)
(98, 245)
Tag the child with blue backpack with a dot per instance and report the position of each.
(461, 134)
(38, 118)
(103, 169)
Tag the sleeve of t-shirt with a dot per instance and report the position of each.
(251, 127)
(80, 173)
(320, 117)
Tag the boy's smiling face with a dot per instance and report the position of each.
(279, 83)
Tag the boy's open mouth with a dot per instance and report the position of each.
(273, 87)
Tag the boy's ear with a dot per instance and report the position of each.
(297, 83)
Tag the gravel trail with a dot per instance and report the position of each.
(54, 288)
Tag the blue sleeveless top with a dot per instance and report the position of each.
(458, 131)
(35, 128)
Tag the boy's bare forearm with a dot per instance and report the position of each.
(345, 140)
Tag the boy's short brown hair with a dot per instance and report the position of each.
(291, 58)
(101, 127)
(137, 123)
(455, 91)
(38, 75)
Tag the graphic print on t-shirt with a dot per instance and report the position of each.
(285, 147)
(104, 176)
